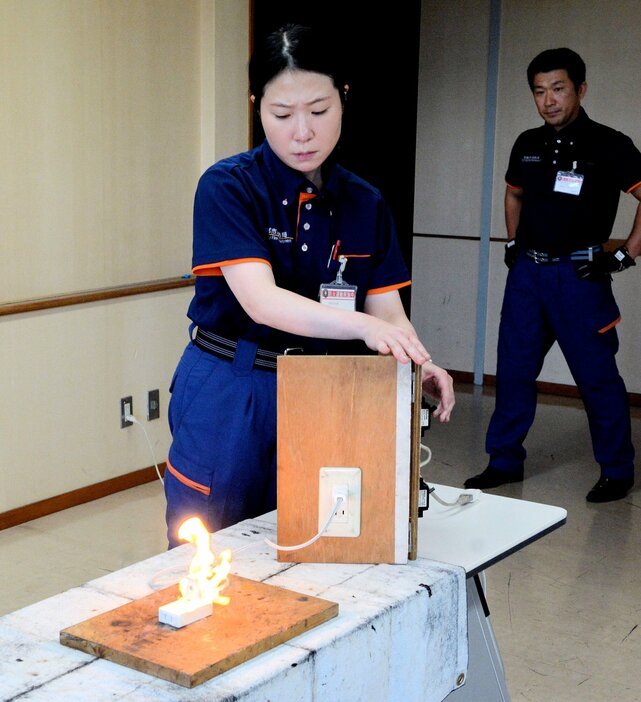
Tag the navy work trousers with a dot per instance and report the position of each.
(544, 303)
(222, 460)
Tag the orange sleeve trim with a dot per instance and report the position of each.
(609, 326)
(186, 481)
(357, 255)
(634, 187)
(214, 268)
(512, 187)
(389, 288)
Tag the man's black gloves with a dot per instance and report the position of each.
(510, 253)
(605, 263)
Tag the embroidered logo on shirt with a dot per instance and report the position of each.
(531, 159)
(275, 235)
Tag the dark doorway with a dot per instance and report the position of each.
(379, 127)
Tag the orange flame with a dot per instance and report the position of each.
(205, 580)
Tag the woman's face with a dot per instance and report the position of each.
(301, 114)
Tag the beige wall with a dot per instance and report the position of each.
(111, 110)
(451, 128)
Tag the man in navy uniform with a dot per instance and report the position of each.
(563, 184)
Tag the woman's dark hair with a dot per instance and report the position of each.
(295, 47)
(557, 60)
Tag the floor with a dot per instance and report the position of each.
(565, 610)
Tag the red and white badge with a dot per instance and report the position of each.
(568, 182)
(339, 294)
(343, 297)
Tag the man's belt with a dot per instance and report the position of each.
(581, 255)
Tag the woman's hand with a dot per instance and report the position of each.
(438, 383)
(400, 342)
(390, 331)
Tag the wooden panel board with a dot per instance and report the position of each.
(338, 411)
(258, 617)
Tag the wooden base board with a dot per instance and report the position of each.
(258, 618)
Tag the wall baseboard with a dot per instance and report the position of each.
(559, 389)
(20, 515)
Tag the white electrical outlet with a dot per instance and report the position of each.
(345, 483)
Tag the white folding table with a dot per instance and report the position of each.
(475, 536)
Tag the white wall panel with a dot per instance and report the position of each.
(451, 122)
(444, 280)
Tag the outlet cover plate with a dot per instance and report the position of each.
(153, 405)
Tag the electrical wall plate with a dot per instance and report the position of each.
(153, 405)
(346, 483)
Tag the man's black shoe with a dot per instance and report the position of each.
(609, 489)
(491, 478)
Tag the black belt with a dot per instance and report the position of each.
(581, 255)
(226, 349)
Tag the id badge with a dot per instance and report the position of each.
(568, 182)
(340, 296)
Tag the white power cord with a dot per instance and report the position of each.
(337, 504)
(133, 420)
(429, 455)
(465, 498)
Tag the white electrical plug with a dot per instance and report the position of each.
(472, 495)
(341, 516)
(465, 498)
(345, 483)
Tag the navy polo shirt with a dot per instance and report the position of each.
(252, 207)
(559, 223)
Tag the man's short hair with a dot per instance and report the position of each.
(556, 60)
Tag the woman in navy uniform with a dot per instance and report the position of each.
(271, 226)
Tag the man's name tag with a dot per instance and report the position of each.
(343, 297)
(568, 182)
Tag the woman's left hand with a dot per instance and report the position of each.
(438, 383)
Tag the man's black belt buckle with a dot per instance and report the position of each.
(542, 257)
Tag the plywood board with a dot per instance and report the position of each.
(258, 617)
(343, 411)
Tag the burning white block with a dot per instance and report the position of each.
(181, 612)
(200, 589)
